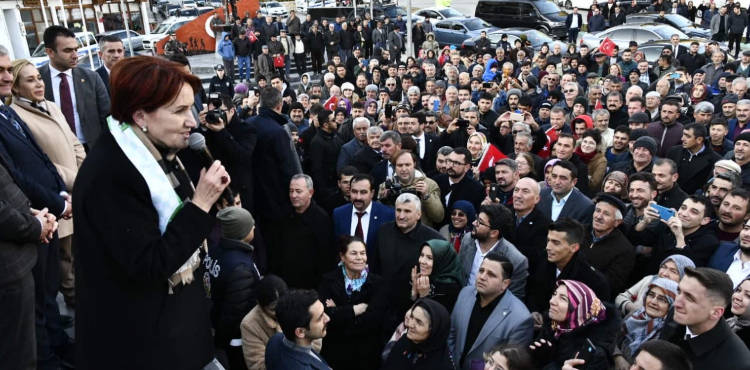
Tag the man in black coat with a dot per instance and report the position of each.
(332, 40)
(529, 230)
(670, 193)
(346, 38)
(317, 44)
(703, 296)
(483, 45)
(273, 162)
(564, 261)
(324, 153)
(695, 160)
(396, 252)
(303, 240)
(455, 185)
(617, 17)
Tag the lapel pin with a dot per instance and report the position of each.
(82, 80)
(505, 313)
(376, 217)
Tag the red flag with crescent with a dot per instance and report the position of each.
(551, 138)
(607, 47)
(490, 156)
(330, 104)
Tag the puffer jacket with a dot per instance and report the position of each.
(430, 44)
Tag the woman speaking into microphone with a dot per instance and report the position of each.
(141, 225)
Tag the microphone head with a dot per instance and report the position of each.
(197, 141)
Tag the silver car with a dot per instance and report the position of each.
(135, 38)
(624, 34)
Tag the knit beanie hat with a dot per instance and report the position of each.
(296, 105)
(681, 262)
(515, 92)
(646, 142)
(743, 136)
(236, 223)
(532, 81)
(582, 101)
(638, 133)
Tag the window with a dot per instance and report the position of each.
(443, 25)
(527, 10)
(622, 35)
(458, 27)
(644, 35)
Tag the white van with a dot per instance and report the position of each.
(86, 41)
(302, 5)
(165, 28)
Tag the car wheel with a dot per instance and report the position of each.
(568, 4)
(544, 29)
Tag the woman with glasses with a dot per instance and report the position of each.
(575, 316)
(672, 268)
(645, 323)
(525, 164)
(463, 215)
(508, 357)
(740, 322)
(371, 109)
(594, 159)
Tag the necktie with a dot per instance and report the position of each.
(359, 233)
(419, 148)
(6, 112)
(66, 102)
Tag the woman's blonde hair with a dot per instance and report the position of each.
(18, 65)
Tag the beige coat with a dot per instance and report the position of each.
(432, 208)
(55, 138)
(597, 169)
(257, 329)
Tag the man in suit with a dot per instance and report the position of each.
(347, 219)
(529, 229)
(573, 23)
(487, 236)
(369, 155)
(617, 17)
(427, 144)
(38, 178)
(23, 229)
(487, 314)
(561, 199)
(677, 49)
(111, 49)
(698, 325)
(81, 94)
(395, 43)
(390, 143)
(455, 185)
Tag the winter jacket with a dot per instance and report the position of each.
(716, 21)
(613, 256)
(737, 23)
(346, 39)
(332, 40)
(596, 23)
(694, 169)
(226, 49)
(243, 47)
(597, 169)
(432, 208)
(666, 136)
(293, 25)
(315, 41)
(541, 283)
(221, 85)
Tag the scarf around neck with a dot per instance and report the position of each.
(353, 285)
(640, 327)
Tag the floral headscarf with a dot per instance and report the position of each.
(353, 285)
(584, 308)
(640, 327)
(482, 138)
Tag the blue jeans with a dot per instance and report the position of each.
(244, 62)
(287, 65)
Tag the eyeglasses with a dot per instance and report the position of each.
(659, 298)
(569, 91)
(453, 163)
(480, 223)
(470, 109)
(390, 84)
(458, 213)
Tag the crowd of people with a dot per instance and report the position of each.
(494, 208)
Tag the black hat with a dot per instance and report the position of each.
(636, 71)
(532, 81)
(546, 104)
(592, 75)
(699, 70)
(504, 36)
(566, 55)
(743, 136)
(219, 67)
(633, 43)
(611, 199)
(729, 98)
(296, 105)
(646, 142)
(639, 117)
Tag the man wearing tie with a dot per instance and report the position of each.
(38, 178)
(111, 49)
(80, 93)
(677, 49)
(363, 217)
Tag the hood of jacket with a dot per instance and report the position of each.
(225, 34)
(309, 80)
(488, 74)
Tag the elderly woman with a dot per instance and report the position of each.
(463, 215)
(672, 268)
(141, 228)
(575, 316)
(56, 139)
(425, 345)
(740, 321)
(354, 300)
(645, 323)
(526, 165)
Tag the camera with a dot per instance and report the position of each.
(213, 116)
(462, 123)
(487, 85)
(396, 189)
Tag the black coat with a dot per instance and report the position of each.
(530, 237)
(324, 152)
(234, 147)
(365, 159)
(122, 266)
(353, 341)
(303, 247)
(315, 40)
(717, 348)
(628, 167)
(700, 246)
(467, 189)
(694, 170)
(603, 335)
(541, 283)
(347, 39)
(672, 198)
(332, 37)
(613, 256)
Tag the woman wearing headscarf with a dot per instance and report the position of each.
(576, 315)
(425, 345)
(740, 321)
(477, 145)
(645, 323)
(698, 93)
(672, 268)
(354, 300)
(616, 182)
(438, 275)
(346, 105)
(547, 172)
(463, 215)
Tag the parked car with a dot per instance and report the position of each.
(135, 38)
(380, 12)
(690, 28)
(189, 4)
(542, 15)
(274, 9)
(166, 8)
(652, 50)
(537, 38)
(165, 28)
(455, 31)
(303, 5)
(436, 14)
(585, 4)
(624, 34)
(86, 43)
(185, 12)
(205, 9)
(216, 3)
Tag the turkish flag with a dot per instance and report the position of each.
(607, 47)
(551, 138)
(490, 156)
(598, 104)
(330, 104)
(251, 36)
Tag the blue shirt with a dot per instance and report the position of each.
(558, 206)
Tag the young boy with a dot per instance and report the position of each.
(718, 130)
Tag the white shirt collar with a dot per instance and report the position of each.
(564, 199)
(368, 210)
(54, 72)
(690, 333)
(418, 137)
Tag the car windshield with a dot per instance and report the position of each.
(273, 4)
(547, 7)
(162, 28)
(679, 21)
(450, 13)
(394, 11)
(189, 12)
(476, 24)
(667, 32)
(39, 52)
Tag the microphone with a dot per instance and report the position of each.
(198, 143)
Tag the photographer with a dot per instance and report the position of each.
(408, 179)
(232, 142)
(458, 131)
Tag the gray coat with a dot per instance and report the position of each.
(510, 322)
(715, 23)
(395, 44)
(378, 36)
(519, 261)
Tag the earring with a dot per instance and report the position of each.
(144, 128)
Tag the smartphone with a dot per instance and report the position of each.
(251, 94)
(388, 110)
(664, 212)
(462, 123)
(675, 75)
(586, 353)
(487, 85)
(435, 105)
(516, 117)
(494, 189)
